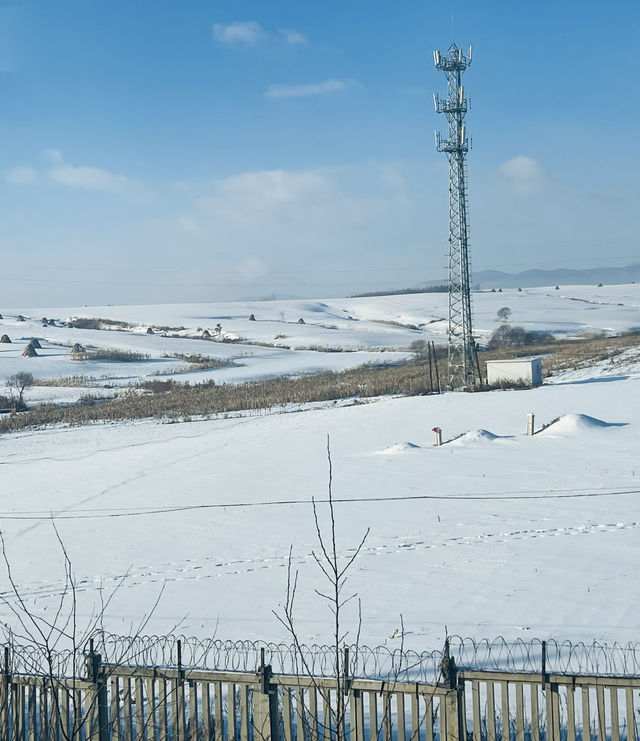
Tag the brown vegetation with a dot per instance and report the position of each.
(175, 401)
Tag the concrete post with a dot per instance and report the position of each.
(530, 424)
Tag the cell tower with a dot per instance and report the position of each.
(462, 348)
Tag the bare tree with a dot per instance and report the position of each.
(59, 648)
(504, 313)
(420, 349)
(18, 383)
(334, 570)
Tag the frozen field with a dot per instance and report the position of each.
(492, 533)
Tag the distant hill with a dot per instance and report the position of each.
(559, 276)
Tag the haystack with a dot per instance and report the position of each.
(5, 340)
(20, 318)
(36, 343)
(1, 317)
(150, 330)
(206, 334)
(301, 321)
(252, 317)
(76, 348)
(29, 351)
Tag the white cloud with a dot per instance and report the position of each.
(251, 33)
(88, 178)
(21, 175)
(188, 225)
(239, 32)
(277, 92)
(525, 174)
(292, 36)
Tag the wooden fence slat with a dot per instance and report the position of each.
(4, 708)
(163, 702)
(400, 711)
(43, 714)
(504, 714)
(519, 712)
(373, 716)
(602, 723)
(244, 713)
(428, 718)
(475, 710)
(491, 712)
(127, 711)
(586, 715)
(555, 703)
(151, 714)
(631, 716)
(326, 714)
(232, 716)
(615, 714)
(54, 715)
(206, 712)
(193, 711)
(571, 714)
(313, 714)
(386, 716)
(140, 717)
(415, 718)
(65, 723)
(115, 709)
(218, 711)
(286, 714)
(79, 723)
(31, 721)
(19, 713)
(535, 712)
(549, 708)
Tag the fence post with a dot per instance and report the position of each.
(454, 699)
(97, 714)
(265, 704)
(4, 697)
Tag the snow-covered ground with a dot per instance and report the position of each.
(492, 533)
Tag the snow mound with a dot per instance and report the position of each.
(399, 448)
(475, 436)
(573, 423)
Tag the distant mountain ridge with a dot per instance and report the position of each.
(558, 276)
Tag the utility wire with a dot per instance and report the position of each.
(496, 497)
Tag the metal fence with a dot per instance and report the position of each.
(167, 689)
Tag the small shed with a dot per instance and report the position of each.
(513, 370)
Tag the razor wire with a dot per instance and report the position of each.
(382, 663)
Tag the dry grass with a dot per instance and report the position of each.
(67, 381)
(176, 401)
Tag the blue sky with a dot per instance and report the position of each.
(176, 151)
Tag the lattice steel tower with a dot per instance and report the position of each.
(462, 349)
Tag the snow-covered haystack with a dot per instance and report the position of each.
(76, 348)
(29, 351)
(36, 343)
(572, 424)
(399, 448)
(475, 436)
(5, 339)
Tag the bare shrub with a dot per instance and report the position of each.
(114, 354)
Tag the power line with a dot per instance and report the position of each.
(487, 496)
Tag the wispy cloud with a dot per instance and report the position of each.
(525, 174)
(21, 175)
(88, 178)
(292, 36)
(277, 92)
(246, 33)
(251, 33)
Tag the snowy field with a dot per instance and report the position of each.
(494, 533)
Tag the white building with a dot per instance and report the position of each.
(528, 370)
